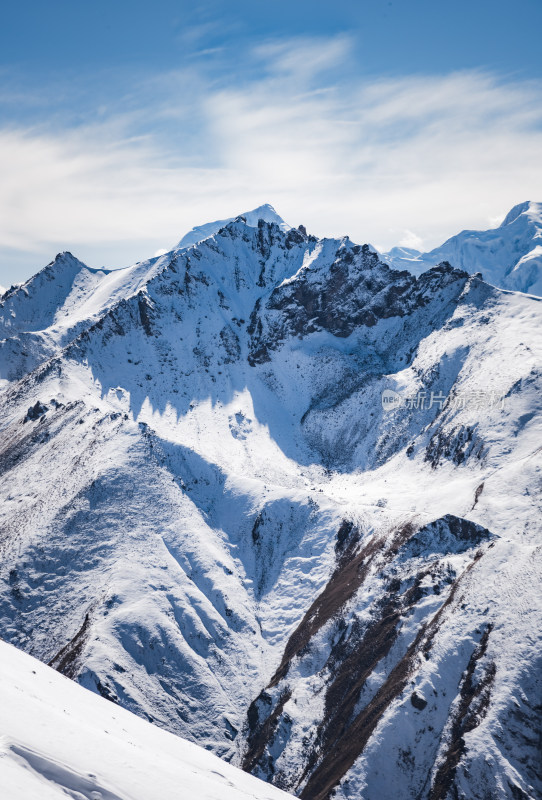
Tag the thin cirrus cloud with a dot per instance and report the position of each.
(387, 160)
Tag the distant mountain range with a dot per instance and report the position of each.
(271, 494)
(509, 256)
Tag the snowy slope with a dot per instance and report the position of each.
(60, 741)
(509, 256)
(211, 519)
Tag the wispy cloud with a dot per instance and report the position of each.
(382, 159)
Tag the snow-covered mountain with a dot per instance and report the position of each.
(60, 741)
(284, 501)
(509, 256)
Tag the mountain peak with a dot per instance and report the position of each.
(251, 218)
(266, 208)
(65, 258)
(265, 212)
(521, 208)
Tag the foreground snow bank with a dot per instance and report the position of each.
(58, 740)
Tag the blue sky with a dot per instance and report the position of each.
(124, 124)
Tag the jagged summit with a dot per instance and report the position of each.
(65, 258)
(200, 232)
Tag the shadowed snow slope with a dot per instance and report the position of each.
(210, 518)
(60, 741)
(509, 256)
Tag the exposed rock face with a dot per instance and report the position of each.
(211, 517)
(370, 663)
(355, 290)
